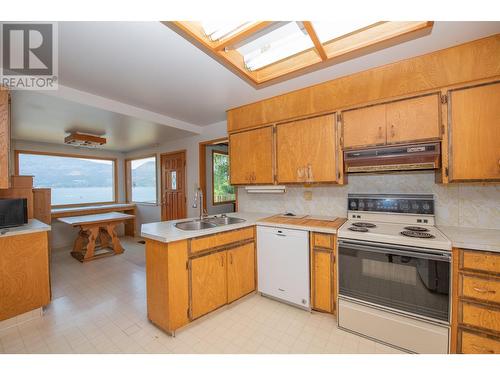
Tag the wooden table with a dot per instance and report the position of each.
(97, 236)
(126, 208)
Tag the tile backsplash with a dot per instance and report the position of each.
(464, 205)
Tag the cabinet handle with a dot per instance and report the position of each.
(380, 132)
(482, 349)
(483, 290)
(392, 131)
(230, 258)
(222, 261)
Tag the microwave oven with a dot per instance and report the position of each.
(13, 212)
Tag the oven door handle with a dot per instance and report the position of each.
(414, 254)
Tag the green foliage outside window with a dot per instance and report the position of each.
(222, 190)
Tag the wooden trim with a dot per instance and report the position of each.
(127, 175)
(455, 255)
(317, 44)
(77, 156)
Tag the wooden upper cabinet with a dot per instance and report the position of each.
(414, 119)
(474, 133)
(364, 126)
(240, 271)
(208, 283)
(306, 150)
(251, 157)
(4, 139)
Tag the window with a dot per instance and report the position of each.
(73, 180)
(223, 192)
(141, 184)
(264, 51)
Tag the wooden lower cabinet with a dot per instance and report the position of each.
(240, 271)
(475, 302)
(183, 285)
(208, 277)
(24, 274)
(323, 291)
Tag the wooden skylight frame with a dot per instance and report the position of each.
(374, 37)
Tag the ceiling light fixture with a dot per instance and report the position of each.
(84, 140)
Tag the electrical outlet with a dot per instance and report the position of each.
(308, 195)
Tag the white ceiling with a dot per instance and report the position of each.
(147, 65)
(45, 118)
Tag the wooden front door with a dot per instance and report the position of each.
(173, 185)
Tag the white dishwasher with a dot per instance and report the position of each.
(283, 264)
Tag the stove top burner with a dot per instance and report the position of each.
(410, 233)
(358, 229)
(416, 229)
(364, 225)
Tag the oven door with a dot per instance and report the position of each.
(407, 279)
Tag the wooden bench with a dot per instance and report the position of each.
(97, 236)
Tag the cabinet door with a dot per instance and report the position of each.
(240, 271)
(208, 283)
(306, 150)
(475, 133)
(322, 280)
(414, 119)
(251, 157)
(364, 127)
(4, 139)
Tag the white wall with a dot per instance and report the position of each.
(63, 234)
(149, 213)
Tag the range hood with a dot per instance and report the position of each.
(394, 158)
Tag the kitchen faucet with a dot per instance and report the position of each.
(198, 200)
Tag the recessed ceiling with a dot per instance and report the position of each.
(43, 118)
(148, 65)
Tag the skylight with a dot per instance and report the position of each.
(327, 31)
(216, 31)
(286, 40)
(265, 51)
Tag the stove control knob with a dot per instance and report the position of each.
(426, 206)
(353, 205)
(361, 205)
(414, 206)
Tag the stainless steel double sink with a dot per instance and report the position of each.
(210, 222)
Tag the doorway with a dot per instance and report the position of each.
(173, 185)
(218, 195)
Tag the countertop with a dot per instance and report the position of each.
(166, 231)
(473, 238)
(309, 223)
(56, 211)
(33, 226)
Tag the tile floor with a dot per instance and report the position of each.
(100, 307)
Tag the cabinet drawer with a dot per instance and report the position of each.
(472, 343)
(323, 240)
(480, 316)
(480, 261)
(221, 239)
(483, 289)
